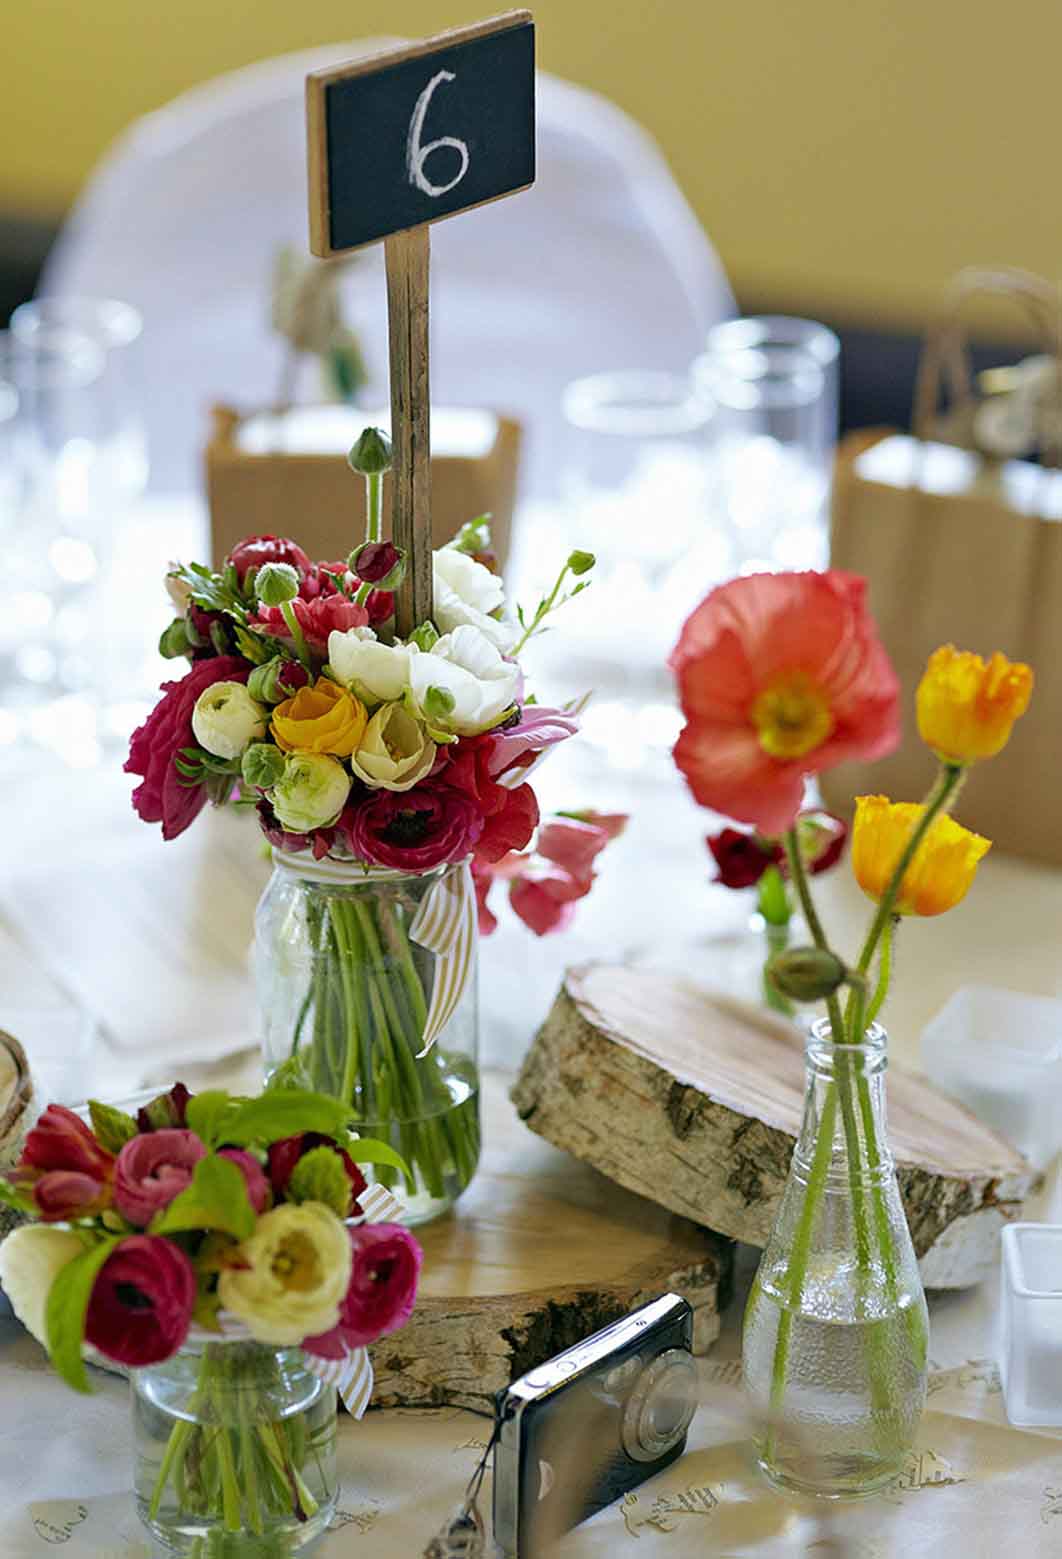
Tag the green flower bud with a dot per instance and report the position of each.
(581, 562)
(438, 703)
(174, 640)
(473, 537)
(806, 973)
(276, 583)
(371, 454)
(424, 636)
(276, 680)
(262, 765)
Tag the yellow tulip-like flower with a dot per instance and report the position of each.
(395, 753)
(966, 709)
(944, 864)
(293, 1273)
(324, 718)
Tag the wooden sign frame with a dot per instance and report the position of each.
(407, 255)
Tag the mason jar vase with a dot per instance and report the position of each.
(347, 991)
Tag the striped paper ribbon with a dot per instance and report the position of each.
(445, 924)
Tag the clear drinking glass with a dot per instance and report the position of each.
(80, 462)
(775, 384)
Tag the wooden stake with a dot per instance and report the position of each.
(407, 257)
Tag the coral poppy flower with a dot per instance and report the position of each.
(944, 865)
(780, 676)
(967, 709)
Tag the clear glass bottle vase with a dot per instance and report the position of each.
(345, 991)
(836, 1328)
(235, 1451)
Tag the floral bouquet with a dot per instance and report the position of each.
(391, 779)
(782, 676)
(746, 859)
(221, 1249)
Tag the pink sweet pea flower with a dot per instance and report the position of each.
(538, 728)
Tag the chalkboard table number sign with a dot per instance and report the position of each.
(396, 142)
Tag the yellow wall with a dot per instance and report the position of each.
(845, 154)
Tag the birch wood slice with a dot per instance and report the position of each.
(540, 1252)
(696, 1102)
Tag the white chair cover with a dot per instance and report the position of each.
(601, 265)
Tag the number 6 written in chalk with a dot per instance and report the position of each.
(417, 155)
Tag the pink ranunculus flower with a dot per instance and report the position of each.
(780, 676)
(254, 552)
(413, 830)
(258, 1190)
(152, 1170)
(382, 1291)
(317, 619)
(141, 1304)
(164, 797)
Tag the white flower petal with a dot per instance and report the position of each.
(31, 1258)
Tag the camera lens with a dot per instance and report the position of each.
(660, 1407)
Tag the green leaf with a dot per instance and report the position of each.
(367, 1150)
(205, 1112)
(216, 1199)
(113, 1128)
(17, 1197)
(319, 1176)
(283, 1114)
(67, 1307)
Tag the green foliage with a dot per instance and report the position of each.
(282, 1113)
(473, 537)
(67, 1307)
(17, 1197)
(576, 563)
(424, 636)
(214, 592)
(174, 640)
(319, 1176)
(773, 898)
(216, 1199)
(205, 1114)
(368, 1150)
(113, 1128)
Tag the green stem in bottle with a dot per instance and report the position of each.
(811, 915)
(881, 990)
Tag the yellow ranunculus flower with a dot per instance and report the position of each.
(966, 709)
(942, 870)
(294, 1273)
(324, 718)
(395, 752)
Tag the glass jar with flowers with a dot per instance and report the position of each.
(229, 1253)
(780, 677)
(390, 778)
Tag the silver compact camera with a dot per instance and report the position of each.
(580, 1430)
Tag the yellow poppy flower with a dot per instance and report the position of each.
(966, 709)
(943, 867)
(324, 718)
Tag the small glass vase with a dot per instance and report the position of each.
(836, 1328)
(235, 1451)
(344, 993)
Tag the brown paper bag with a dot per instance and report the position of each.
(962, 549)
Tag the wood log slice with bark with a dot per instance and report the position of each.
(695, 1102)
(540, 1252)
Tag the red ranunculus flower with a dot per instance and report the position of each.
(142, 1301)
(413, 830)
(285, 1154)
(382, 1292)
(380, 605)
(375, 560)
(316, 618)
(510, 816)
(258, 1192)
(742, 858)
(255, 551)
(152, 1170)
(780, 676)
(61, 1140)
(163, 797)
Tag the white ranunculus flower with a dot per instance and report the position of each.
(226, 719)
(396, 752)
(31, 1258)
(311, 792)
(376, 673)
(466, 593)
(294, 1274)
(463, 666)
